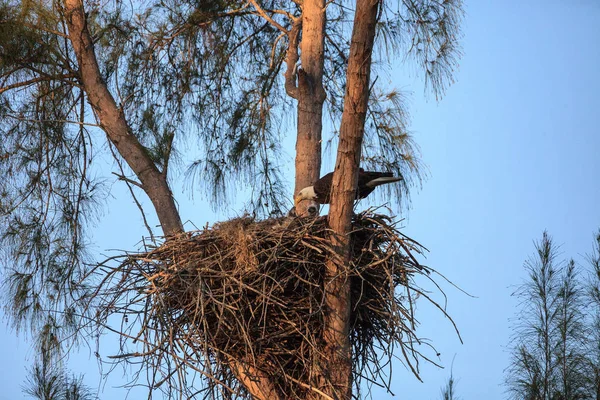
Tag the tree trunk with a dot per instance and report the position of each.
(310, 95)
(345, 177)
(112, 120)
(259, 386)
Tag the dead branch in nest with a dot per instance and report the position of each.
(250, 293)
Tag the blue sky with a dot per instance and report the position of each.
(512, 149)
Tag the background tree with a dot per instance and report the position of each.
(532, 373)
(554, 331)
(48, 378)
(572, 332)
(47, 382)
(448, 392)
(592, 349)
(145, 81)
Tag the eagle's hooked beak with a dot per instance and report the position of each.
(297, 200)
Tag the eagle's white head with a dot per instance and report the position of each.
(308, 193)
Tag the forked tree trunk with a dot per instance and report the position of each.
(337, 285)
(310, 95)
(112, 120)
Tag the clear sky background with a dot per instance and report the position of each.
(513, 149)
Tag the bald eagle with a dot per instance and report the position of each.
(320, 191)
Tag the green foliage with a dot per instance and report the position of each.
(592, 344)
(449, 391)
(556, 331)
(18, 42)
(47, 194)
(571, 355)
(431, 31)
(46, 382)
(390, 146)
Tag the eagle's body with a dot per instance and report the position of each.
(320, 191)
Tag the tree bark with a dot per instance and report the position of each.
(260, 387)
(337, 285)
(112, 120)
(310, 95)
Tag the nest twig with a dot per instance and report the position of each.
(252, 292)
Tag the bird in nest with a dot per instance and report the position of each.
(320, 191)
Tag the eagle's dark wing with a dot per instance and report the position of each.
(364, 177)
(322, 188)
(367, 176)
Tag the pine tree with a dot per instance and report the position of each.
(145, 80)
(592, 370)
(550, 347)
(532, 372)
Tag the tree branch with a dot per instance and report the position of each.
(292, 58)
(266, 16)
(114, 124)
(62, 121)
(35, 80)
(44, 29)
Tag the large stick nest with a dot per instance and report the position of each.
(250, 293)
